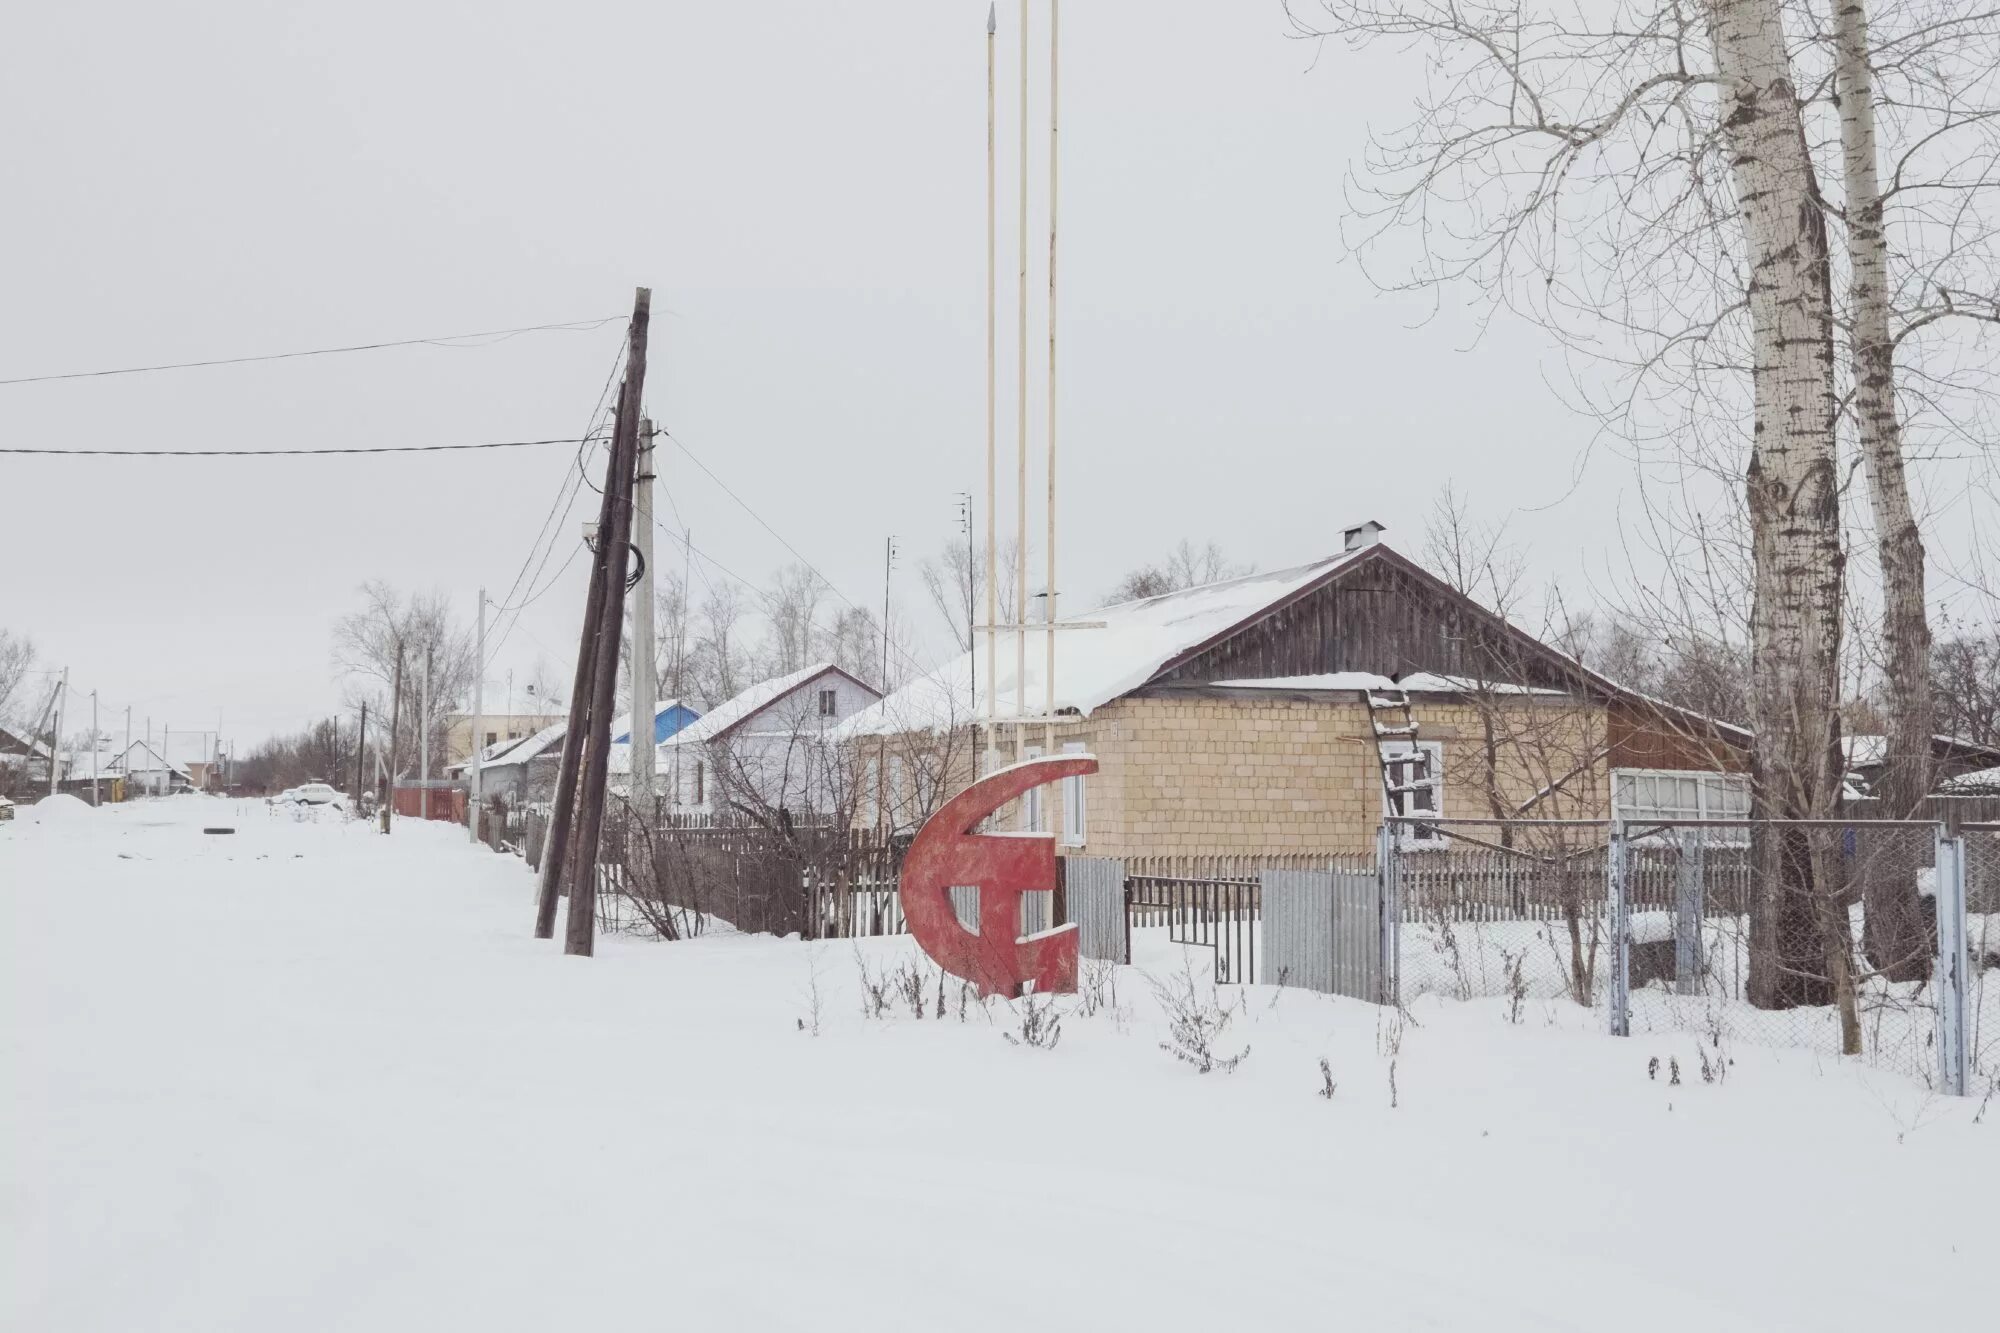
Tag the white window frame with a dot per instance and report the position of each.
(1707, 782)
(1034, 815)
(1401, 751)
(1075, 806)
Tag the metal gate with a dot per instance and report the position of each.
(1094, 898)
(1323, 931)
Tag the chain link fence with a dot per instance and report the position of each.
(1982, 914)
(1821, 936)
(1824, 936)
(1501, 908)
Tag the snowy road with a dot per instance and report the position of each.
(308, 1078)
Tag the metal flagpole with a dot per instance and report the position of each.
(992, 487)
(1021, 421)
(1049, 556)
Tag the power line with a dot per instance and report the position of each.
(558, 515)
(292, 453)
(444, 340)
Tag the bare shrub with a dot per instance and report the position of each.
(1194, 1023)
(1328, 1086)
(1040, 1022)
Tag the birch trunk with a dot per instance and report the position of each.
(1793, 502)
(1896, 933)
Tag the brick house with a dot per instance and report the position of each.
(1242, 716)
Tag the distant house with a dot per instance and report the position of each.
(494, 728)
(24, 763)
(768, 748)
(525, 770)
(1292, 711)
(506, 770)
(146, 772)
(1951, 758)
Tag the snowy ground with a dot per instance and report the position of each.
(303, 1077)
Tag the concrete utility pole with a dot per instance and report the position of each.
(93, 748)
(388, 792)
(360, 754)
(645, 661)
(166, 762)
(478, 724)
(424, 740)
(125, 769)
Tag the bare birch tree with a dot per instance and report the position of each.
(1641, 174)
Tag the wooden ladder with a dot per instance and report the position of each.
(1395, 728)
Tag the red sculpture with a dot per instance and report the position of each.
(948, 854)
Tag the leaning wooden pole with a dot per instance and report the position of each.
(579, 935)
(556, 846)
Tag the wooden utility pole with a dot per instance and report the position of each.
(55, 738)
(93, 749)
(579, 936)
(555, 850)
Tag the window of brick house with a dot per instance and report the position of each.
(1415, 787)
(1074, 809)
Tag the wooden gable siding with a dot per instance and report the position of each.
(1373, 615)
(1639, 736)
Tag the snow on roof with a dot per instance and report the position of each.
(83, 765)
(141, 757)
(1093, 666)
(1863, 751)
(664, 707)
(521, 752)
(727, 714)
(1422, 682)
(1986, 782)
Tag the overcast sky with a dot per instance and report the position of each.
(802, 185)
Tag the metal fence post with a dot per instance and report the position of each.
(1688, 913)
(1954, 1062)
(1389, 914)
(1619, 1002)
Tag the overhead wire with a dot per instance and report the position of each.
(831, 587)
(447, 340)
(289, 453)
(558, 516)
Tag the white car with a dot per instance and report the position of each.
(314, 793)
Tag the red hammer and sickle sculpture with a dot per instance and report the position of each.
(1003, 866)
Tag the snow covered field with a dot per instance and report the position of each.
(303, 1077)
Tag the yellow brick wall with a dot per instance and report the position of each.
(1197, 775)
